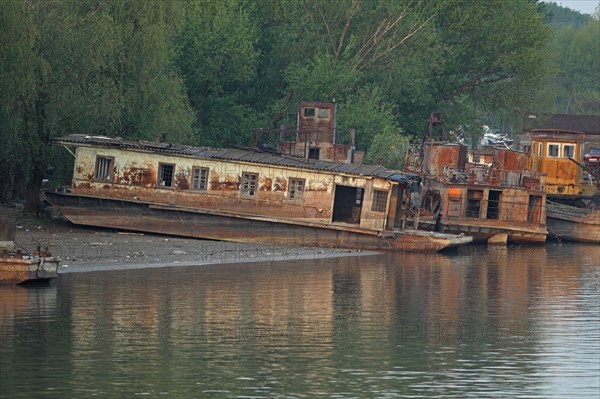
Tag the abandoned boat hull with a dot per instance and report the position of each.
(573, 224)
(229, 226)
(17, 269)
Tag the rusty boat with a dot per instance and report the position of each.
(18, 266)
(571, 223)
(309, 192)
(489, 195)
(572, 187)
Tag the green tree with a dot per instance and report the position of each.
(388, 149)
(97, 67)
(217, 56)
(576, 59)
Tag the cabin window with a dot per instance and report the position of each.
(310, 112)
(568, 151)
(296, 189)
(359, 196)
(323, 113)
(199, 178)
(313, 153)
(474, 198)
(104, 168)
(379, 200)
(165, 174)
(249, 184)
(539, 147)
(553, 150)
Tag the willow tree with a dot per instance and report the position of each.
(94, 67)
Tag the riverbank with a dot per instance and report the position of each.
(85, 249)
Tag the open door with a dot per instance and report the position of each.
(347, 204)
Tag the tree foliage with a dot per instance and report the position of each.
(208, 72)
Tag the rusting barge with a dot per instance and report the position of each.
(496, 202)
(17, 266)
(238, 195)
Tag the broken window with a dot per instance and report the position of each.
(199, 178)
(313, 153)
(553, 150)
(568, 151)
(359, 196)
(310, 111)
(165, 174)
(296, 189)
(474, 198)
(104, 168)
(379, 200)
(323, 113)
(249, 184)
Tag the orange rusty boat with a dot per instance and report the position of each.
(17, 267)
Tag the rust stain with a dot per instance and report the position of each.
(265, 184)
(230, 184)
(214, 181)
(280, 184)
(85, 185)
(182, 182)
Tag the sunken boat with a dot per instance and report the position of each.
(242, 195)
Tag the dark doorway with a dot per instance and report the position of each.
(534, 209)
(347, 204)
(493, 210)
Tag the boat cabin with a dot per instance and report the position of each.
(240, 182)
(551, 152)
(500, 196)
(316, 136)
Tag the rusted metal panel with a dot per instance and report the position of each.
(441, 156)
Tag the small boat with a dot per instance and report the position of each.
(17, 267)
(571, 223)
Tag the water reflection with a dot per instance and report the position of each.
(481, 323)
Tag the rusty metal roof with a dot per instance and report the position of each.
(230, 154)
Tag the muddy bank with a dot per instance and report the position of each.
(84, 249)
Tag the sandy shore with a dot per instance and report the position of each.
(84, 249)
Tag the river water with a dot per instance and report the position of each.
(479, 323)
